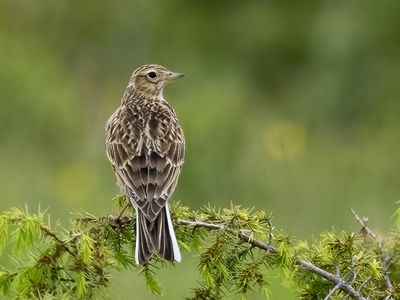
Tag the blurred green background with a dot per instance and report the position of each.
(288, 106)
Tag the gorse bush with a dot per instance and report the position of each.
(236, 248)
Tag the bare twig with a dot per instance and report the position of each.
(332, 291)
(336, 287)
(364, 282)
(241, 234)
(385, 258)
(199, 224)
(256, 243)
(344, 285)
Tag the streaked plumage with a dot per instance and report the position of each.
(146, 147)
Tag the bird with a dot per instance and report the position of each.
(146, 147)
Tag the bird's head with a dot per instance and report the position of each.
(151, 80)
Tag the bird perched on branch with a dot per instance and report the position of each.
(146, 147)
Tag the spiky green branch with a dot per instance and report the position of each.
(339, 282)
(385, 258)
(237, 247)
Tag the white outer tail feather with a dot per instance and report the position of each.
(137, 237)
(177, 253)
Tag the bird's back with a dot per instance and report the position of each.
(145, 144)
(146, 147)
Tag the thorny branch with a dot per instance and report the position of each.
(333, 290)
(334, 278)
(385, 258)
(337, 280)
(241, 234)
(347, 285)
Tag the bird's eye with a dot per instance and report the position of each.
(152, 75)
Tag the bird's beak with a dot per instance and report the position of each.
(173, 76)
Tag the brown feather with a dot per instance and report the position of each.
(146, 146)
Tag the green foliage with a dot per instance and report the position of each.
(237, 247)
(151, 280)
(348, 255)
(67, 264)
(227, 264)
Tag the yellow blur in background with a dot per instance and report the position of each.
(285, 140)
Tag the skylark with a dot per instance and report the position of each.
(146, 148)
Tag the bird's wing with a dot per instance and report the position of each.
(147, 156)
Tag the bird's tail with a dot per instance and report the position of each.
(155, 237)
